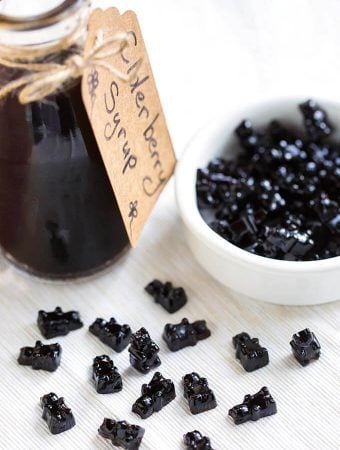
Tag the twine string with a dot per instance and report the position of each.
(45, 78)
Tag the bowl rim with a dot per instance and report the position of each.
(194, 221)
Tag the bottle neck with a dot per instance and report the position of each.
(47, 38)
(44, 34)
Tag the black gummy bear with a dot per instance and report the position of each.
(305, 346)
(106, 376)
(58, 416)
(143, 352)
(41, 357)
(58, 323)
(155, 395)
(248, 137)
(122, 434)
(194, 440)
(196, 390)
(254, 407)
(185, 334)
(172, 299)
(112, 333)
(250, 353)
(316, 121)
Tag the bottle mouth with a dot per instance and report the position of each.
(19, 27)
(22, 21)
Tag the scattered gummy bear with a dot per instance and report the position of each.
(106, 376)
(250, 353)
(194, 440)
(305, 346)
(254, 407)
(122, 434)
(58, 416)
(184, 334)
(196, 390)
(41, 357)
(143, 352)
(155, 395)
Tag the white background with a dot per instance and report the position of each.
(206, 55)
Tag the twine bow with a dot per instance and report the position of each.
(45, 78)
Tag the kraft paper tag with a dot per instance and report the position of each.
(128, 121)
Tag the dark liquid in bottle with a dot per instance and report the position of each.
(58, 214)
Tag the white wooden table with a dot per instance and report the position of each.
(206, 55)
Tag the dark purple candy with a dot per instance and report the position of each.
(158, 393)
(41, 357)
(143, 352)
(106, 376)
(279, 197)
(194, 440)
(254, 407)
(185, 334)
(305, 347)
(196, 390)
(250, 353)
(111, 333)
(315, 120)
(58, 323)
(122, 434)
(171, 298)
(248, 137)
(56, 413)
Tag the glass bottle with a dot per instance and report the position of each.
(58, 214)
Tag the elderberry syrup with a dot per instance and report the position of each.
(58, 214)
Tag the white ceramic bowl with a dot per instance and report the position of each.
(265, 279)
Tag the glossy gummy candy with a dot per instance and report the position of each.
(143, 352)
(248, 137)
(41, 357)
(184, 334)
(254, 407)
(122, 434)
(106, 376)
(58, 323)
(250, 353)
(194, 440)
(155, 395)
(196, 390)
(58, 416)
(315, 120)
(305, 346)
(278, 174)
(112, 333)
(172, 299)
